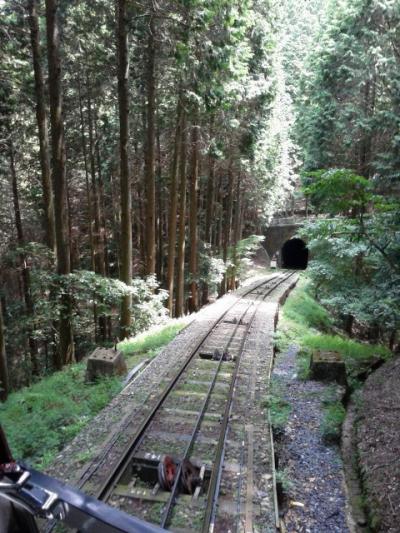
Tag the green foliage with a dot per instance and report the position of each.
(337, 191)
(149, 343)
(307, 324)
(239, 256)
(355, 260)
(348, 97)
(331, 425)
(283, 479)
(211, 268)
(279, 408)
(40, 420)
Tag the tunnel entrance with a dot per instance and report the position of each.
(295, 254)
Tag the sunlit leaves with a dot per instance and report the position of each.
(337, 191)
(355, 259)
(348, 113)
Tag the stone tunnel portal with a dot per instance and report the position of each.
(295, 254)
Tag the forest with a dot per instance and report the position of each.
(145, 146)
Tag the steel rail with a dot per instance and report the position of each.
(172, 499)
(108, 485)
(88, 473)
(216, 472)
(124, 459)
(174, 490)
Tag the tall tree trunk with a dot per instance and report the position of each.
(116, 223)
(173, 206)
(193, 300)
(26, 275)
(209, 215)
(87, 185)
(41, 117)
(150, 153)
(219, 211)
(236, 234)
(66, 352)
(74, 251)
(141, 225)
(102, 206)
(97, 237)
(102, 235)
(180, 283)
(88, 195)
(210, 199)
(4, 379)
(98, 249)
(227, 226)
(103, 221)
(126, 221)
(243, 216)
(160, 213)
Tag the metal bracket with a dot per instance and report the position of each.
(45, 497)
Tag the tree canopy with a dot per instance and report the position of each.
(143, 147)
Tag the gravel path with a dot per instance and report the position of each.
(315, 500)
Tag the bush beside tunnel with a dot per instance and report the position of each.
(295, 254)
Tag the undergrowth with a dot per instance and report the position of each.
(40, 420)
(308, 325)
(305, 323)
(149, 343)
(331, 425)
(279, 408)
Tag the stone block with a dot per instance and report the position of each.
(105, 362)
(328, 366)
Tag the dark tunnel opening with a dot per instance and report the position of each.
(295, 254)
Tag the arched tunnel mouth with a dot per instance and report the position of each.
(295, 254)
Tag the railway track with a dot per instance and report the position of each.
(188, 467)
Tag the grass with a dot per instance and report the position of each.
(307, 324)
(40, 420)
(331, 425)
(301, 315)
(279, 408)
(303, 309)
(283, 479)
(355, 354)
(148, 344)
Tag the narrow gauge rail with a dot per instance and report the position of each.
(189, 421)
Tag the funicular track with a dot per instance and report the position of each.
(170, 472)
